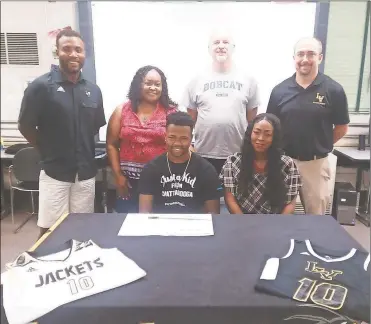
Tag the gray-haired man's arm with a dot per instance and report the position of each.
(253, 100)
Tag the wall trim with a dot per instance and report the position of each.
(321, 27)
(85, 25)
(363, 58)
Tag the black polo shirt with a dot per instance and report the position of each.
(67, 116)
(308, 115)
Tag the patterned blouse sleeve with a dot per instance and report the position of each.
(228, 175)
(292, 180)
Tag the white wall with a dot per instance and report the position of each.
(174, 37)
(343, 61)
(30, 17)
(366, 86)
(344, 46)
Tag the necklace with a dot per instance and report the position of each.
(168, 164)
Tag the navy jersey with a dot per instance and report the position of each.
(335, 280)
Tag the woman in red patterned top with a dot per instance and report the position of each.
(136, 133)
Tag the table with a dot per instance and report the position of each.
(361, 159)
(354, 154)
(192, 280)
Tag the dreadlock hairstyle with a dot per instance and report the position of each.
(134, 94)
(275, 186)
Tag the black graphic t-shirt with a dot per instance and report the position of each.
(181, 191)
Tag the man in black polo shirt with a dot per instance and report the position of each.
(313, 110)
(61, 112)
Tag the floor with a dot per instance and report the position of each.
(13, 244)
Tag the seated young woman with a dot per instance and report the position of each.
(261, 179)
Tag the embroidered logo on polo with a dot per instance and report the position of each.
(319, 99)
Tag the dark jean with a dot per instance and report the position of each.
(129, 204)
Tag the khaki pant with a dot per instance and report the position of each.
(57, 198)
(315, 190)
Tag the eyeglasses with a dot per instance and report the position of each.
(309, 55)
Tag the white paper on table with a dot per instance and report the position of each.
(167, 225)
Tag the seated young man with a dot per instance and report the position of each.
(179, 181)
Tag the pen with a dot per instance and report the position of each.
(175, 218)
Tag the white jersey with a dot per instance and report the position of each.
(34, 286)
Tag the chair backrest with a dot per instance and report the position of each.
(101, 158)
(26, 165)
(15, 148)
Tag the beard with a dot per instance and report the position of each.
(67, 69)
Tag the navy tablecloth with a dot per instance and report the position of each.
(195, 279)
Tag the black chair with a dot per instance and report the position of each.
(13, 149)
(26, 170)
